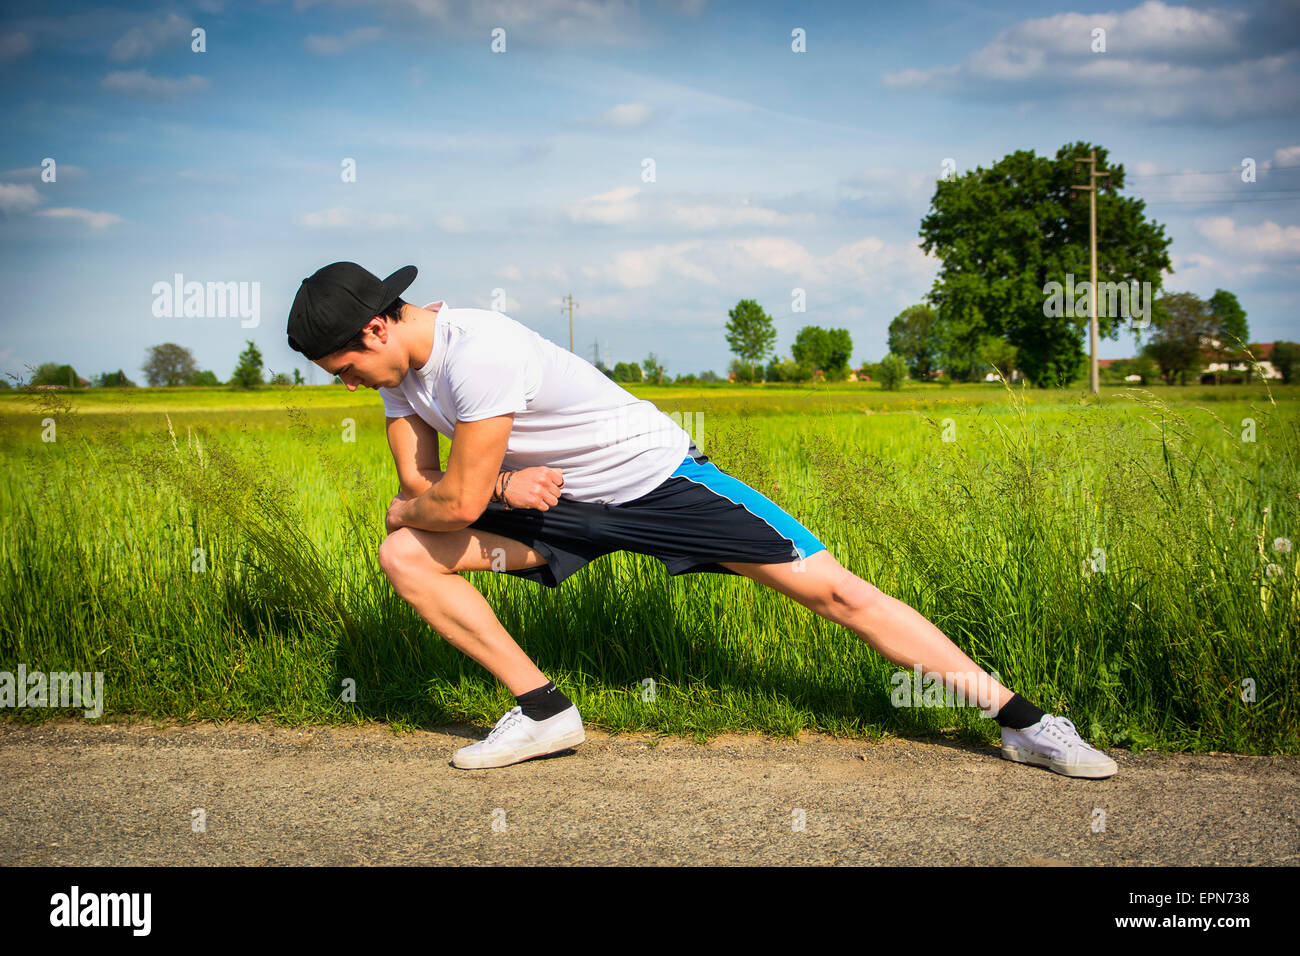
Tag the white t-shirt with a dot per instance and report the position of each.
(611, 445)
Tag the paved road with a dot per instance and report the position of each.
(78, 793)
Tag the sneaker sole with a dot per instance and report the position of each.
(505, 759)
(1091, 771)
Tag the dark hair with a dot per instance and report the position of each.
(393, 313)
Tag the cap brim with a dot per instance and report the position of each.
(398, 282)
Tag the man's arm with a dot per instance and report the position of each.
(414, 444)
(460, 494)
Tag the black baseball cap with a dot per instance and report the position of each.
(336, 301)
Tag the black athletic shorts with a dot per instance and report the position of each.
(696, 517)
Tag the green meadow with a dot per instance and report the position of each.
(1128, 561)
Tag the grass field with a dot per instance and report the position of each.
(1126, 562)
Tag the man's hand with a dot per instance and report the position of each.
(396, 516)
(537, 487)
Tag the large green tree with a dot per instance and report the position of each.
(1005, 232)
(750, 333)
(914, 336)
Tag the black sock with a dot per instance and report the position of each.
(1019, 713)
(546, 701)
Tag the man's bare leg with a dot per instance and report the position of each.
(896, 631)
(423, 566)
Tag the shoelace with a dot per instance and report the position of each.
(510, 718)
(1055, 727)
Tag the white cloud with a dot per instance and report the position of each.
(342, 217)
(552, 22)
(616, 206)
(1287, 156)
(705, 216)
(142, 42)
(639, 268)
(450, 223)
(624, 116)
(62, 170)
(1193, 260)
(1266, 238)
(869, 264)
(95, 220)
(552, 272)
(16, 198)
(512, 273)
(334, 45)
(14, 45)
(625, 204)
(140, 83)
(1160, 61)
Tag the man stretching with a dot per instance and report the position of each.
(552, 465)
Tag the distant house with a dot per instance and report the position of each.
(1263, 352)
(1105, 364)
(1015, 376)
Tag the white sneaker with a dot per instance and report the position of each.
(516, 737)
(1054, 743)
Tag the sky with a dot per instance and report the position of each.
(658, 161)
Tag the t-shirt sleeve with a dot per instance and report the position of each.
(491, 376)
(395, 404)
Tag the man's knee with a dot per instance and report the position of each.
(852, 595)
(401, 552)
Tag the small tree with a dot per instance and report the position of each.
(297, 377)
(782, 370)
(280, 378)
(654, 372)
(627, 372)
(1183, 323)
(169, 364)
(116, 379)
(914, 335)
(750, 334)
(52, 373)
(1230, 329)
(206, 377)
(998, 353)
(248, 373)
(1284, 359)
(893, 372)
(825, 349)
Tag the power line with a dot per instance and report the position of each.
(1214, 172)
(1215, 202)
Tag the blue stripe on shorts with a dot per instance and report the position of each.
(733, 489)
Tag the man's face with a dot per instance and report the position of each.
(378, 366)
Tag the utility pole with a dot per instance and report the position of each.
(572, 305)
(1092, 241)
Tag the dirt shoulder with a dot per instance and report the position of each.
(124, 793)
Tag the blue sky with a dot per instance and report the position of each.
(525, 171)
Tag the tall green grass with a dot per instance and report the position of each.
(221, 565)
